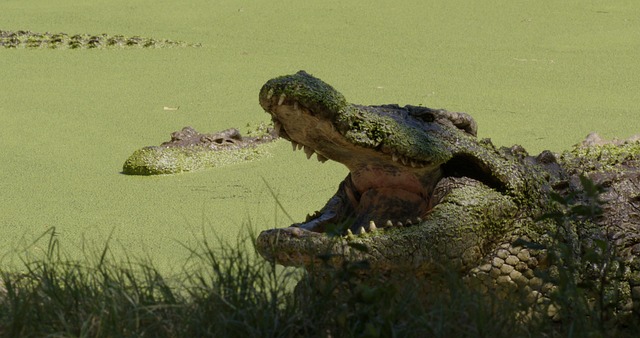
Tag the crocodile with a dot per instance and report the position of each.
(35, 40)
(189, 150)
(424, 193)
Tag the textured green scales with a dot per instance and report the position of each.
(33, 40)
(189, 150)
(160, 160)
(555, 228)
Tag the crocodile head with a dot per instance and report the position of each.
(413, 172)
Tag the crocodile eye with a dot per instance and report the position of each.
(223, 140)
(423, 113)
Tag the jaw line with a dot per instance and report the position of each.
(318, 135)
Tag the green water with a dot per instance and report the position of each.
(539, 73)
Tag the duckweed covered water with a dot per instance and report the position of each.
(541, 74)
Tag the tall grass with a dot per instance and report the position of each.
(225, 291)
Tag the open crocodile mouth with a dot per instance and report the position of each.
(410, 167)
(385, 188)
(382, 190)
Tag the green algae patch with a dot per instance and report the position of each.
(162, 160)
(389, 131)
(317, 95)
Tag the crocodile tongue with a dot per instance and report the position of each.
(383, 189)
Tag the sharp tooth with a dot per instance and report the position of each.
(321, 158)
(394, 157)
(419, 219)
(361, 230)
(408, 222)
(372, 226)
(281, 100)
(400, 224)
(308, 151)
(389, 223)
(294, 145)
(404, 160)
(349, 233)
(270, 94)
(413, 164)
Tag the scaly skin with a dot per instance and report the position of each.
(423, 193)
(189, 150)
(33, 40)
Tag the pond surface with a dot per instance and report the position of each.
(541, 74)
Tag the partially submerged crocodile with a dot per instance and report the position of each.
(35, 40)
(189, 150)
(422, 193)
